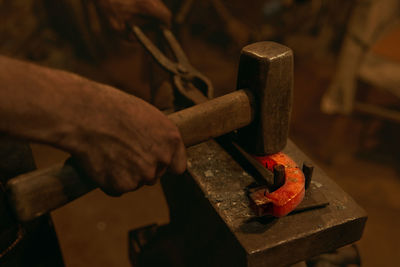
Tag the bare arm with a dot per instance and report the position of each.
(120, 141)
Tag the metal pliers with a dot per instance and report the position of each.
(188, 81)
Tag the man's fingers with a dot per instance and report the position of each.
(120, 181)
(111, 191)
(178, 163)
(160, 171)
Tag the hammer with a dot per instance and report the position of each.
(259, 110)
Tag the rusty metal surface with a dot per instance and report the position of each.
(273, 242)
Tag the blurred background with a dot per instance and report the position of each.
(346, 113)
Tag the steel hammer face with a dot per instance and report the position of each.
(266, 70)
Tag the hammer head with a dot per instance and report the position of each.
(266, 69)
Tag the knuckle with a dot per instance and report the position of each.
(176, 137)
(173, 136)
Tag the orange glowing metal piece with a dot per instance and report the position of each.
(286, 198)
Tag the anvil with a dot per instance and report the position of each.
(210, 210)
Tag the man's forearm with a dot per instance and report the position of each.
(120, 141)
(46, 105)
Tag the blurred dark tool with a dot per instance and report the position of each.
(346, 256)
(186, 78)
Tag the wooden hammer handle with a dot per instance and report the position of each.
(36, 193)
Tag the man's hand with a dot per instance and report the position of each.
(119, 140)
(128, 143)
(120, 12)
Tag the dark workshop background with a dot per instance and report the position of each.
(359, 150)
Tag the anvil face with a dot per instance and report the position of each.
(219, 225)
